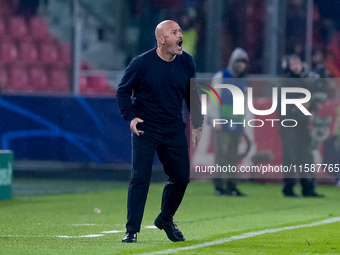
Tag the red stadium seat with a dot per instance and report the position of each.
(38, 28)
(3, 78)
(83, 81)
(49, 39)
(28, 52)
(8, 51)
(84, 87)
(18, 79)
(3, 29)
(5, 7)
(48, 52)
(38, 79)
(59, 80)
(65, 54)
(100, 85)
(17, 27)
(84, 66)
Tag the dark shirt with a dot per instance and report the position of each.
(158, 89)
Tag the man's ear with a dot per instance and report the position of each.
(161, 40)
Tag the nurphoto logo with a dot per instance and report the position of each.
(239, 102)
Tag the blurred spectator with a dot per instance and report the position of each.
(200, 27)
(331, 152)
(297, 141)
(318, 64)
(189, 32)
(226, 139)
(333, 71)
(317, 58)
(243, 26)
(332, 68)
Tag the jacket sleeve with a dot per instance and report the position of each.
(192, 99)
(125, 89)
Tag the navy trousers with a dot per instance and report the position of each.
(172, 151)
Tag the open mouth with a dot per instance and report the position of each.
(180, 42)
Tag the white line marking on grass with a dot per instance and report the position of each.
(83, 236)
(94, 235)
(243, 236)
(86, 224)
(112, 231)
(26, 236)
(152, 226)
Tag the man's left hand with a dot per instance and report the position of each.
(196, 137)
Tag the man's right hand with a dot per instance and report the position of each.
(133, 126)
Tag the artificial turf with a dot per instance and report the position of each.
(56, 224)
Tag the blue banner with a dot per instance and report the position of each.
(64, 128)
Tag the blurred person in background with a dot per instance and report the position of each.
(297, 141)
(331, 150)
(226, 139)
(330, 64)
(189, 32)
(324, 66)
(150, 96)
(318, 62)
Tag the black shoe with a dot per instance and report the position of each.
(170, 228)
(234, 193)
(290, 194)
(313, 194)
(130, 237)
(219, 192)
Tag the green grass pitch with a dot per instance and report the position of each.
(68, 224)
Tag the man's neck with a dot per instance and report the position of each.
(164, 55)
